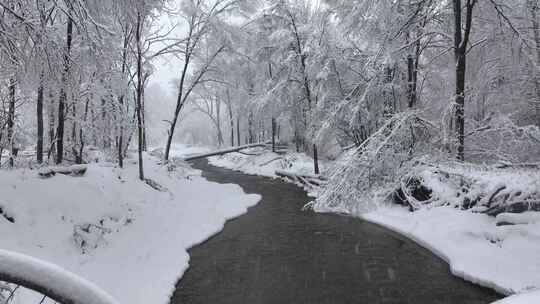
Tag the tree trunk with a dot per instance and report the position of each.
(460, 105)
(315, 159)
(93, 126)
(231, 119)
(307, 89)
(52, 123)
(105, 125)
(131, 131)
(180, 97)
(170, 134)
(63, 95)
(262, 132)
(232, 131)
(60, 128)
(534, 7)
(218, 122)
(11, 121)
(120, 148)
(78, 158)
(273, 134)
(39, 116)
(143, 114)
(250, 128)
(411, 94)
(460, 52)
(81, 134)
(238, 129)
(139, 95)
(412, 75)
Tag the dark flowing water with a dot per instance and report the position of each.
(277, 253)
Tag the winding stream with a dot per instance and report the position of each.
(277, 253)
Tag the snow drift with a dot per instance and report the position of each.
(111, 228)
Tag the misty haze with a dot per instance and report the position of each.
(269, 151)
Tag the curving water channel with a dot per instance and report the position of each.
(277, 253)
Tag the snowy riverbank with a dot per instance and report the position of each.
(114, 230)
(475, 218)
(502, 257)
(260, 161)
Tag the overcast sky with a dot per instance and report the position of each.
(167, 68)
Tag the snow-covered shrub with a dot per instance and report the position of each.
(484, 189)
(407, 162)
(89, 236)
(370, 172)
(424, 185)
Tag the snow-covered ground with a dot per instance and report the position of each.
(182, 150)
(505, 258)
(131, 239)
(260, 161)
(113, 229)
(532, 297)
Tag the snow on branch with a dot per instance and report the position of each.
(52, 281)
(305, 180)
(372, 169)
(489, 190)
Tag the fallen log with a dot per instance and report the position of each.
(155, 185)
(517, 207)
(74, 170)
(527, 217)
(506, 165)
(249, 154)
(290, 174)
(224, 151)
(494, 194)
(304, 179)
(272, 160)
(316, 182)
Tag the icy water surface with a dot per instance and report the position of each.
(277, 253)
